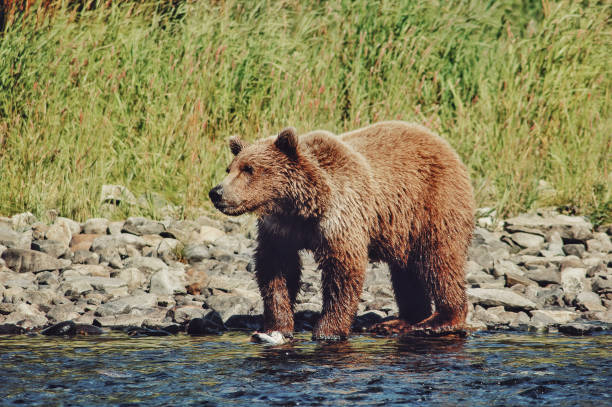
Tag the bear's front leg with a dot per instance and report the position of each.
(278, 270)
(342, 282)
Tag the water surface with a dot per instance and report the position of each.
(484, 369)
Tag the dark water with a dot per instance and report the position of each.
(484, 369)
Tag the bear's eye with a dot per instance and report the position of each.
(247, 168)
(227, 170)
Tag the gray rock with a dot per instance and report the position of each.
(11, 279)
(496, 297)
(47, 278)
(22, 221)
(133, 277)
(589, 301)
(185, 314)
(573, 281)
(574, 249)
(599, 243)
(196, 253)
(146, 264)
(63, 312)
(14, 295)
(512, 279)
(165, 282)
(60, 232)
(126, 305)
(75, 288)
(478, 277)
(602, 285)
(86, 257)
(96, 226)
(501, 267)
(569, 227)
(24, 261)
(549, 317)
(544, 276)
(74, 227)
(14, 240)
(527, 240)
(228, 305)
(51, 247)
(40, 296)
(120, 321)
(141, 226)
(26, 316)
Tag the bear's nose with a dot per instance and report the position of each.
(215, 194)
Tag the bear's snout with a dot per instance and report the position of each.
(216, 194)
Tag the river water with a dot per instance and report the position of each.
(484, 369)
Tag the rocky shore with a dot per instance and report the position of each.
(541, 272)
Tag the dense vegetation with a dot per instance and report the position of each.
(127, 93)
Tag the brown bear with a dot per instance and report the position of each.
(392, 192)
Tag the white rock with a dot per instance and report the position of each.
(573, 280)
(492, 297)
(554, 316)
(167, 282)
(527, 240)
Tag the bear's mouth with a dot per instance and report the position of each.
(228, 209)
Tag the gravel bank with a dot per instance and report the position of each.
(538, 272)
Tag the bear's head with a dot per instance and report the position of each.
(270, 176)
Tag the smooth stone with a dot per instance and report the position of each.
(65, 328)
(85, 257)
(27, 316)
(589, 301)
(14, 240)
(569, 227)
(75, 288)
(574, 249)
(62, 312)
(573, 281)
(22, 260)
(602, 285)
(195, 253)
(125, 305)
(554, 316)
(95, 226)
(59, 232)
(146, 264)
(119, 321)
(227, 305)
(51, 247)
(527, 240)
(133, 277)
(512, 279)
(181, 315)
(211, 323)
(544, 276)
(141, 226)
(501, 267)
(496, 297)
(167, 282)
(209, 234)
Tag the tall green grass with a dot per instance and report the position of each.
(128, 95)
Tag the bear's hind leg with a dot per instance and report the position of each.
(412, 300)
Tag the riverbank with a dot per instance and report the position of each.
(541, 272)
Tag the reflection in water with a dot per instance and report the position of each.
(483, 369)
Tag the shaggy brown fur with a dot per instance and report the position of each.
(391, 192)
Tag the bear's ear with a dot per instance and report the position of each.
(236, 145)
(287, 141)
